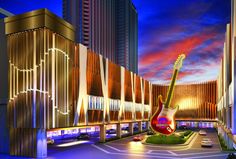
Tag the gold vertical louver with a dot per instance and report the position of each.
(196, 101)
(39, 62)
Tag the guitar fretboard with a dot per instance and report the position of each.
(171, 88)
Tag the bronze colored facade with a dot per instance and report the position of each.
(195, 101)
(226, 106)
(56, 83)
(38, 19)
(39, 65)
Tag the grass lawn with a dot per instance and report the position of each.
(176, 138)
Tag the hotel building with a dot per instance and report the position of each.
(49, 82)
(107, 27)
(226, 84)
(55, 83)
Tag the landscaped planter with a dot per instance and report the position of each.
(177, 138)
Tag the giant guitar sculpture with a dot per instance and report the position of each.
(163, 120)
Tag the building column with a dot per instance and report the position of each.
(234, 102)
(227, 110)
(102, 133)
(118, 130)
(131, 128)
(233, 60)
(4, 134)
(226, 73)
(140, 128)
(147, 125)
(22, 140)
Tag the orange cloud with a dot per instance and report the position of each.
(171, 52)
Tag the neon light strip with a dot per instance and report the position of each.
(53, 82)
(31, 76)
(66, 113)
(67, 89)
(72, 143)
(52, 50)
(44, 78)
(34, 79)
(56, 49)
(28, 90)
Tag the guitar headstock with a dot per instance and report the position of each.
(179, 61)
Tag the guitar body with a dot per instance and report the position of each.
(163, 121)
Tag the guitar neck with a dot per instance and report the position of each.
(171, 88)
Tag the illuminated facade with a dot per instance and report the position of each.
(56, 83)
(197, 102)
(226, 84)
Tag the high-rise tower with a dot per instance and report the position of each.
(94, 21)
(127, 35)
(108, 27)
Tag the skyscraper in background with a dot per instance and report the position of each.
(127, 35)
(108, 27)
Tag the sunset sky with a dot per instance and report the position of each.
(167, 28)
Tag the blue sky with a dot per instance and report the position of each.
(167, 28)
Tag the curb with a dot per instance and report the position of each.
(189, 140)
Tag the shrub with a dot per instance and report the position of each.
(186, 133)
(222, 142)
(172, 139)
